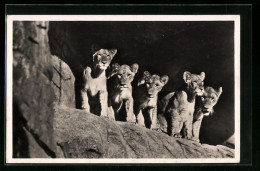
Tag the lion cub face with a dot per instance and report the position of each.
(124, 75)
(194, 82)
(209, 99)
(153, 84)
(103, 57)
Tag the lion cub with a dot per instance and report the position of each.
(204, 107)
(94, 96)
(146, 94)
(120, 91)
(180, 107)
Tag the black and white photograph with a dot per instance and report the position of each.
(123, 89)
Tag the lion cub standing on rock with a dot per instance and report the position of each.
(94, 96)
(120, 91)
(146, 95)
(180, 106)
(204, 108)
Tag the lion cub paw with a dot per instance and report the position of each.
(190, 138)
(107, 117)
(86, 109)
(156, 129)
(177, 135)
(140, 124)
(111, 118)
(194, 139)
(131, 119)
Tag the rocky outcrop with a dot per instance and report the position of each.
(32, 94)
(39, 82)
(84, 135)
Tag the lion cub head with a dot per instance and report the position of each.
(194, 82)
(102, 57)
(153, 84)
(209, 99)
(124, 75)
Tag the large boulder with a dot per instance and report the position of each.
(39, 82)
(85, 135)
(32, 94)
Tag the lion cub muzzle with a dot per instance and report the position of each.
(209, 99)
(152, 90)
(124, 81)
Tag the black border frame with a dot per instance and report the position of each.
(245, 12)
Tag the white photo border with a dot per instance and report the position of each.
(9, 84)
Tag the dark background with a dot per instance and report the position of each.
(163, 48)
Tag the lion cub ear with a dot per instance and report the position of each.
(113, 52)
(141, 81)
(134, 68)
(145, 77)
(202, 76)
(164, 79)
(146, 74)
(95, 48)
(219, 91)
(114, 69)
(187, 76)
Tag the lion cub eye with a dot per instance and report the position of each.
(128, 75)
(98, 56)
(157, 85)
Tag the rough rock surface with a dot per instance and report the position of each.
(37, 86)
(32, 94)
(84, 135)
(63, 82)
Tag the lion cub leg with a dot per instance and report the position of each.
(84, 101)
(176, 128)
(140, 118)
(176, 124)
(111, 113)
(196, 128)
(187, 126)
(129, 105)
(103, 97)
(153, 115)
